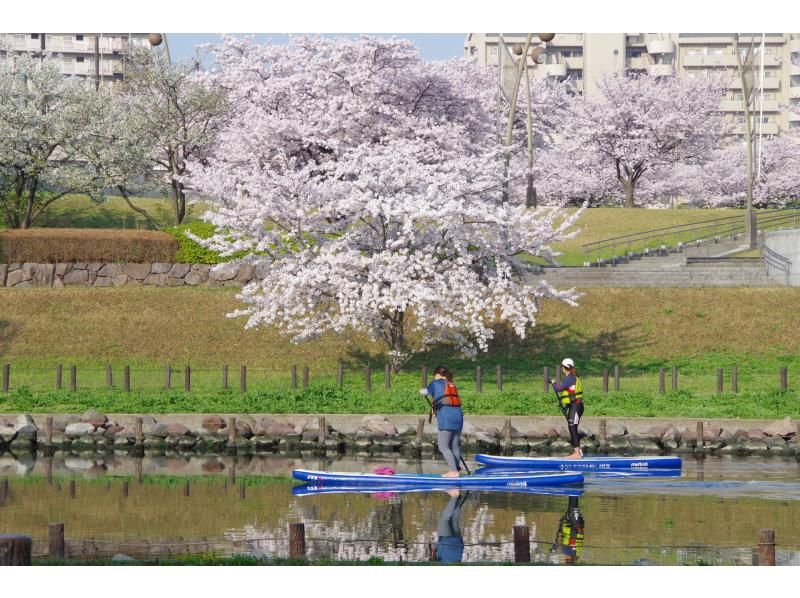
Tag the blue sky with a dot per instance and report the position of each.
(433, 46)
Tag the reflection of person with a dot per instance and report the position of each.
(570, 394)
(449, 417)
(569, 538)
(450, 544)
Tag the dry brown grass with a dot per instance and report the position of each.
(146, 326)
(54, 245)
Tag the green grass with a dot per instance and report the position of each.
(80, 211)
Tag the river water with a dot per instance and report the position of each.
(165, 507)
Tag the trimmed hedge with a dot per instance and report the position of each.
(66, 245)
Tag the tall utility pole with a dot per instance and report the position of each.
(746, 69)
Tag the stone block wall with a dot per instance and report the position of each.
(96, 274)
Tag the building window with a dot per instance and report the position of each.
(79, 59)
(577, 53)
(79, 37)
(715, 51)
(575, 74)
(34, 36)
(633, 53)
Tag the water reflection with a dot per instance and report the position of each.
(165, 506)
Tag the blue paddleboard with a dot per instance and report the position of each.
(310, 490)
(597, 463)
(374, 480)
(589, 474)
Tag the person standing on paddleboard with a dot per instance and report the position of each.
(449, 417)
(570, 395)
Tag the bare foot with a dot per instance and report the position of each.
(575, 455)
(450, 474)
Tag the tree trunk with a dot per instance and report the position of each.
(629, 188)
(178, 201)
(26, 219)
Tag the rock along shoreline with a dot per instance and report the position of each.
(409, 435)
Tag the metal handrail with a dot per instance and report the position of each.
(719, 227)
(776, 260)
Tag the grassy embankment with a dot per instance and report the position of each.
(642, 330)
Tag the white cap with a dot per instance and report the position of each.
(568, 363)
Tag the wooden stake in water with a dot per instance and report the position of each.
(55, 537)
(15, 550)
(522, 544)
(766, 547)
(297, 541)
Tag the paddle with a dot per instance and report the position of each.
(464, 463)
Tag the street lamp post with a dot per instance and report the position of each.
(510, 81)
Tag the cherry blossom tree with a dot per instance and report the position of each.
(639, 122)
(365, 185)
(43, 120)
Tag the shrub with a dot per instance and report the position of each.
(65, 245)
(189, 252)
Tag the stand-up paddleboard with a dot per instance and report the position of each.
(602, 462)
(374, 480)
(589, 474)
(311, 489)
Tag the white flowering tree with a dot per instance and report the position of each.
(43, 120)
(364, 184)
(637, 123)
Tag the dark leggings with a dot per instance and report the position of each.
(573, 414)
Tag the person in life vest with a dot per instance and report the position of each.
(449, 417)
(570, 395)
(450, 543)
(569, 536)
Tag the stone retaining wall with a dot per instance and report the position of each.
(192, 434)
(97, 274)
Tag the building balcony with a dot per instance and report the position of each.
(769, 84)
(660, 46)
(567, 39)
(794, 70)
(766, 128)
(574, 62)
(794, 92)
(554, 70)
(795, 116)
(660, 70)
(794, 45)
(738, 105)
(638, 62)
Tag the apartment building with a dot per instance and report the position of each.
(99, 56)
(585, 57)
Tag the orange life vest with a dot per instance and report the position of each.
(450, 396)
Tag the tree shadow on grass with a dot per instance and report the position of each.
(545, 345)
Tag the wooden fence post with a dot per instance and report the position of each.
(507, 434)
(784, 379)
(420, 429)
(242, 491)
(339, 375)
(186, 488)
(368, 378)
(48, 429)
(719, 381)
(231, 433)
(243, 379)
(6, 378)
(323, 430)
(126, 378)
(225, 377)
(137, 430)
(545, 379)
(187, 378)
(387, 376)
(674, 378)
(616, 377)
(15, 550)
(766, 547)
(55, 537)
(499, 378)
(109, 376)
(59, 376)
(522, 544)
(699, 435)
(735, 379)
(306, 376)
(424, 376)
(294, 376)
(297, 540)
(73, 378)
(72, 488)
(479, 379)
(605, 380)
(168, 377)
(559, 373)
(661, 381)
(603, 432)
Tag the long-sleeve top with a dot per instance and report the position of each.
(567, 383)
(447, 416)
